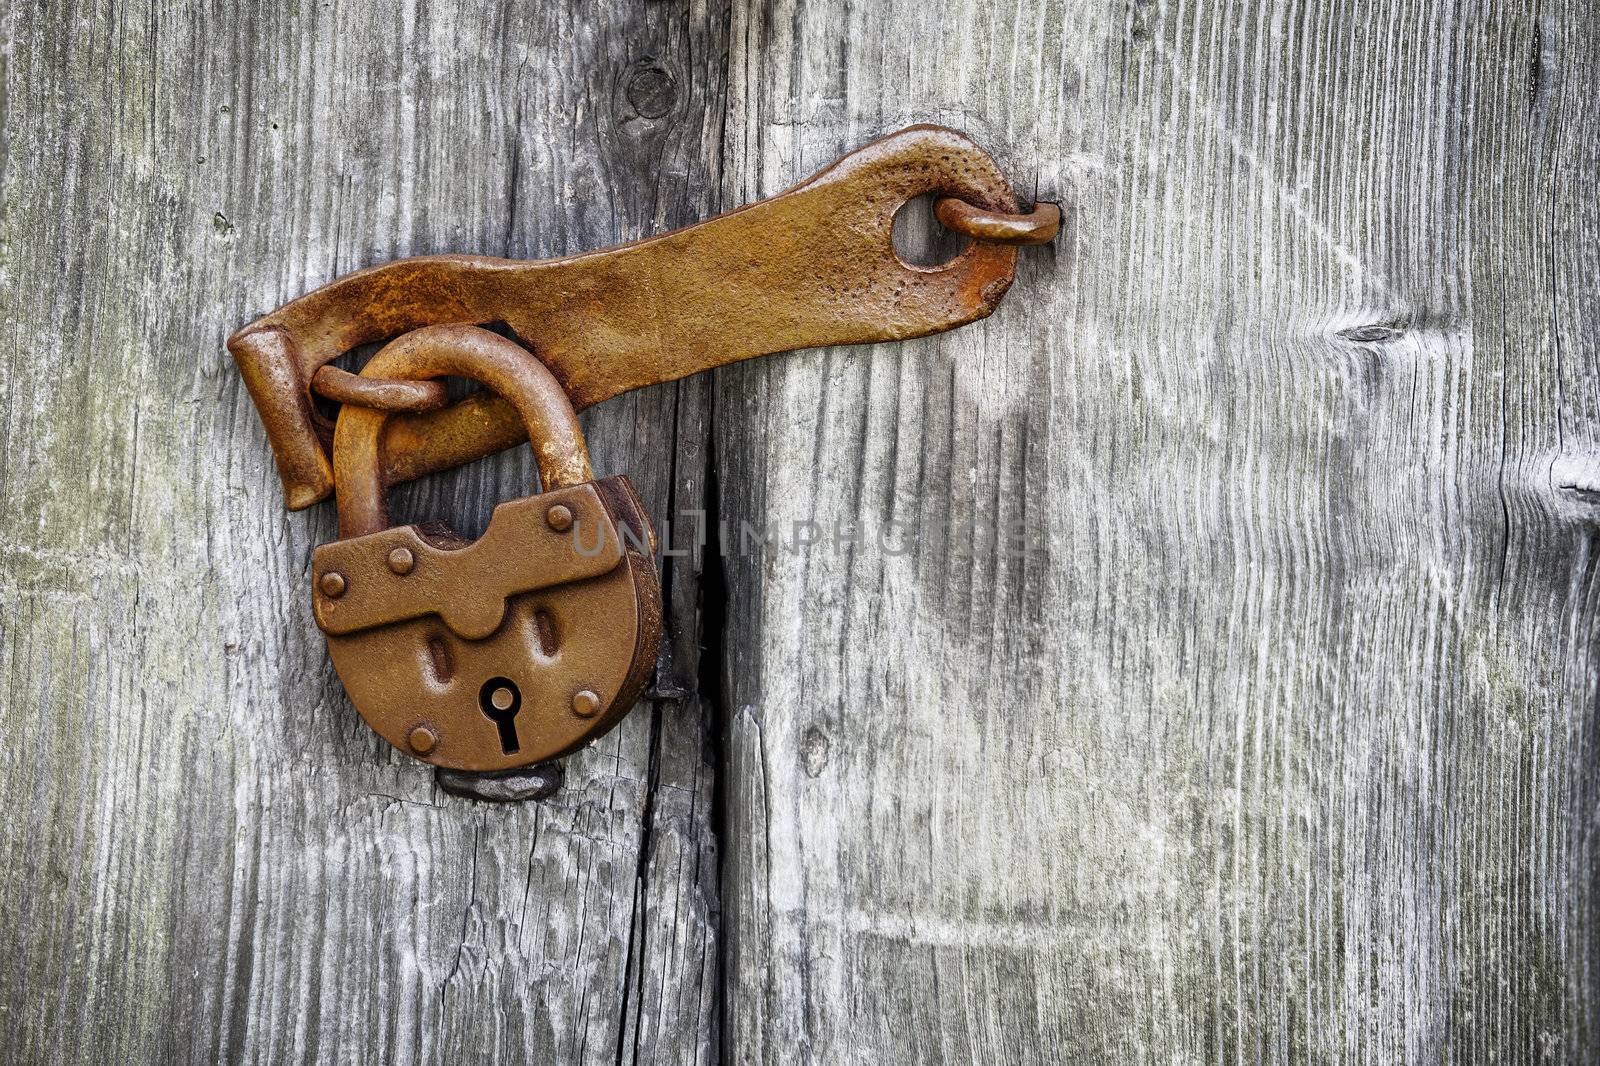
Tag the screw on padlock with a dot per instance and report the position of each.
(506, 651)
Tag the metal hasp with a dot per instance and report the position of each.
(812, 266)
(486, 657)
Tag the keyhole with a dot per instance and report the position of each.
(500, 701)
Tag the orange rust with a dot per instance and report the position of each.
(468, 655)
(811, 266)
(1038, 226)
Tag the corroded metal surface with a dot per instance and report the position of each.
(520, 646)
(536, 782)
(1038, 226)
(381, 394)
(811, 266)
(520, 382)
(509, 650)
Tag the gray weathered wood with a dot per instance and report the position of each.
(211, 858)
(1278, 744)
(1274, 745)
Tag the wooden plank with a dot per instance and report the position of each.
(1274, 745)
(1276, 742)
(211, 858)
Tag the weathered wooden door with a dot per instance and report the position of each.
(1234, 700)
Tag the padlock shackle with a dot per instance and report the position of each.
(461, 351)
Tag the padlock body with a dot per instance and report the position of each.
(514, 649)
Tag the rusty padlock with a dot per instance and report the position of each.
(517, 648)
(505, 651)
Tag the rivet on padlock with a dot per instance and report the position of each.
(509, 650)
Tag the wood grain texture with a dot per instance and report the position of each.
(1276, 741)
(211, 858)
(1210, 676)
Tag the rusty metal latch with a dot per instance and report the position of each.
(811, 266)
(523, 645)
